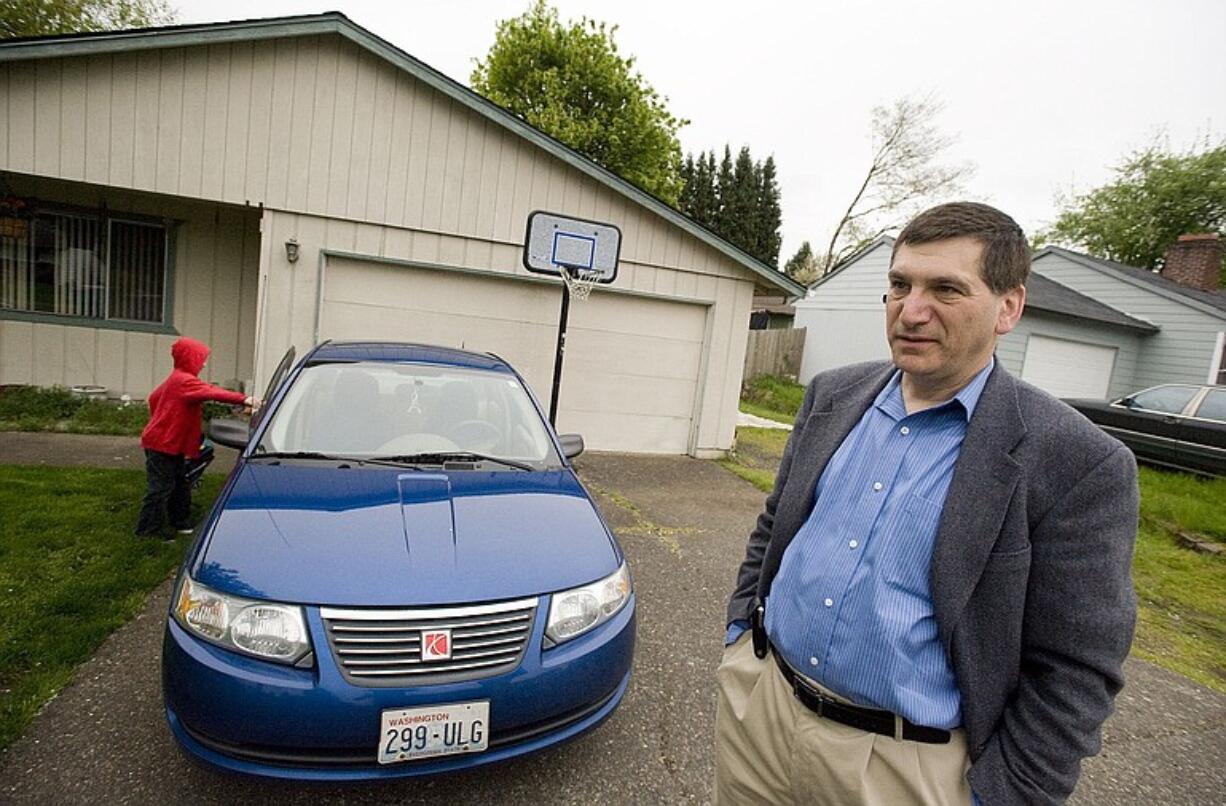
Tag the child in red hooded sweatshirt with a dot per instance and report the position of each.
(173, 435)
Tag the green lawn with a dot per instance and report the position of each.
(772, 398)
(1181, 594)
(71, 572)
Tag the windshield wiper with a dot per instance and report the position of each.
(329, 457)
(439, 457)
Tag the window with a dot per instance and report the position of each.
(82, 265)
(1165, 399)
(1213, 407)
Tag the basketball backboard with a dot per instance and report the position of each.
(586, 248)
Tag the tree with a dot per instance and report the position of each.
(1156, 195)
(904, 174)
(45, 17)
(569, 81)
(802, 266)
(738, 200)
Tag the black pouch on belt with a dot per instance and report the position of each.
(757, 624)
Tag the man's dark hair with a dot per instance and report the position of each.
(1006, 254)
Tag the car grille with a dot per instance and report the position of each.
(383, 647)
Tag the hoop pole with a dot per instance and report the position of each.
(557, 361)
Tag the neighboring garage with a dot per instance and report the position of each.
(1068, 368)
(300, 179)
(633, 363)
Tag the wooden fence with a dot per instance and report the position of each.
(774, 352)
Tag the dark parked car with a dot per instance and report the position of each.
(1182, 426)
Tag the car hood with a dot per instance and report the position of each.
(315, 534)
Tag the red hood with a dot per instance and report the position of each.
(189, 355)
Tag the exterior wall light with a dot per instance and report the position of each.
(291, 250)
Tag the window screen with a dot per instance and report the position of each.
(83, 266)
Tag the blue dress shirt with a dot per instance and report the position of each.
(851, 606)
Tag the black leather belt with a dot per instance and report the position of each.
(869, 719)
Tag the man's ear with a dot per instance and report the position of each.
(1012, 303)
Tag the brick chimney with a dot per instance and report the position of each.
(1194, 261)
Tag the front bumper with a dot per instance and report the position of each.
(261, 718)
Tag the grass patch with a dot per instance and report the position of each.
(71, 572)
(1181, 619)
(772, 397)
(1181, 500)
(756, 455)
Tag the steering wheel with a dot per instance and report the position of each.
(478, 436)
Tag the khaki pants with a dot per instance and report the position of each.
(772, 749)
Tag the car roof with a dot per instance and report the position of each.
(406, 352)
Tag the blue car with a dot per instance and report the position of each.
(402, 576)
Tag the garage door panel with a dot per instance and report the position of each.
(630, 394)
(1067, 368)
(632, 355)
(400, 287)
(654, 434)
(632, 364)
(651, 318)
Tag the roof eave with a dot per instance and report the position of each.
(1091, 263)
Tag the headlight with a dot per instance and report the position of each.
(574, 612)
(266, 630)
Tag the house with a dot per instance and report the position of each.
(268, 184)
(772, 312)
(1091, 328)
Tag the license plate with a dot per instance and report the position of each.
(434, 730)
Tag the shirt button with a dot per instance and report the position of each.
(853, 543)
(876, 486)
(812, 661)
(830, 603)
(904, 430)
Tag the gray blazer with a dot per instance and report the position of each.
(1030, 573)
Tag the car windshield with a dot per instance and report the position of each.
(382, 409)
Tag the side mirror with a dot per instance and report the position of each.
(572, 444)
(228, 432)
(1126, 402)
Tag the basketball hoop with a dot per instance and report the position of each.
(584, 253)
(580, 282)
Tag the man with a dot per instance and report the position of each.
(936, 603)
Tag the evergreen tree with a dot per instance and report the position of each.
(736, 199)
(802, 266)
(770, 214)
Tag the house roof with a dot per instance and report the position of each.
(1045, 294)
(333, 22)
(1211, 302)
(884, 240)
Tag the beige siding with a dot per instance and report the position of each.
(292, 301)
(344, 152)
(313, 125)
(213, 288)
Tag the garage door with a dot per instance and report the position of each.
(632, 367)
(1068, 368)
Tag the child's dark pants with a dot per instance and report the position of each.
(169, 494)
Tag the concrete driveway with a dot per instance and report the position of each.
(683, 523)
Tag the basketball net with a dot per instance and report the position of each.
(580, 282)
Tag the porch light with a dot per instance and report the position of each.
(291, 250)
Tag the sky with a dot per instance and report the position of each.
(1043, 97)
